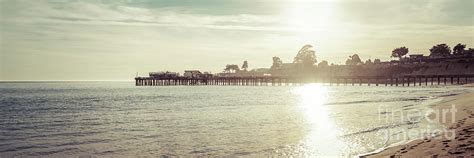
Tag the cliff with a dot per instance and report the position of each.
(463, 68)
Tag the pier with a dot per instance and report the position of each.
(403, 81)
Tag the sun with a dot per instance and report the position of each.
(310, 21)
(307, 16)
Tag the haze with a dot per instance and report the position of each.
(113, 40)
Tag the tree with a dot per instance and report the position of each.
(231, 68)
(323, 63)
(305, 56)
(368, 62)
(245, 65)
(377, 61)
(459, 48)
(353, 60)
(277, 63)
(399, 52)
(440, 50)
(349, 61)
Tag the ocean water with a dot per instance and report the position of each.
(118, 119)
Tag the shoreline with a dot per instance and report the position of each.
(440, 145)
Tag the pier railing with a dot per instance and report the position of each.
(405, 80)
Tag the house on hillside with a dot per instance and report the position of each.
(416, 56)
(420, 58)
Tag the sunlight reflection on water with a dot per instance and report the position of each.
(313, 98)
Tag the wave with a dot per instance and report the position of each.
(378, 101)
(378, 128)
(350, 102)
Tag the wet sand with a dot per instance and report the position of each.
(443, 145)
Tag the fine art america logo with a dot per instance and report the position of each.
(405, 124)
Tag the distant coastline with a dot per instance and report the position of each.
(442, 61)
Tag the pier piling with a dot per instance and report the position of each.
(291, 81)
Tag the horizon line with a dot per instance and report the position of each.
(66, 81)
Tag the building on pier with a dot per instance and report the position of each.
(163, 74)
(192, 73)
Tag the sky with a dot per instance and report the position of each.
(116, 39)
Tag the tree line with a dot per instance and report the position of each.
(232, 68)
(439, 50)
(306, 57)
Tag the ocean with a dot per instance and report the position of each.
(113, 119)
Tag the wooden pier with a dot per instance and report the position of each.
(404, 81)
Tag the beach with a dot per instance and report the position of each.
(444, 144)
